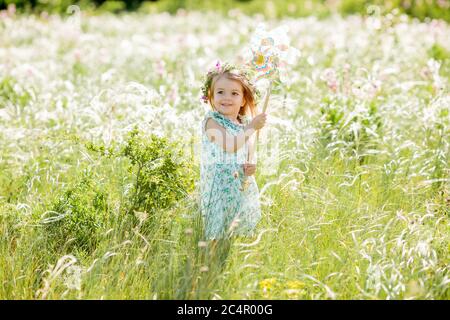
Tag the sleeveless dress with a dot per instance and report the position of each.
(228, 205)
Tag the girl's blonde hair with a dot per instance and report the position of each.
(232, 73)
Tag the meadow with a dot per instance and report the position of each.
(99, 159)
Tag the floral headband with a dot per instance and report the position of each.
(221, 69)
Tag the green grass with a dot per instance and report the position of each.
(355, 205)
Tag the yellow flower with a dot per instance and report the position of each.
(266, 284)
(295, 289)
(295, 284)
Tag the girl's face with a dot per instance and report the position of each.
(228, 96)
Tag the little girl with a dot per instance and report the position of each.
(229, 195)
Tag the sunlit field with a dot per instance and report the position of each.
(100, 146)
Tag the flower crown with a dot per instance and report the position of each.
(221, 69)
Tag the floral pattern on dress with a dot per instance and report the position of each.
(227, 207)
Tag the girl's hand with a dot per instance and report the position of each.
(259, 121)
(249, 169)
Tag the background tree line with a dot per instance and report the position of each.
(437, 9)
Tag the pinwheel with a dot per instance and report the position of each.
(269, 56)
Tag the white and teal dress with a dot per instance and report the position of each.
(228, 206)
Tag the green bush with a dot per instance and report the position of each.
(161, 175)
(75, 217)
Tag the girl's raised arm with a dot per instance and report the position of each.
(228, 142)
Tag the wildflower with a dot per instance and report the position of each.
(329, 76)
(77, 55)
(161, 70)
(267, 284)
(295, 284)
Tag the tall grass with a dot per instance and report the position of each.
(353, 169)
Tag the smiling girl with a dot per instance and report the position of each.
(229, 193)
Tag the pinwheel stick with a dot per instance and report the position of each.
(253, 149)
